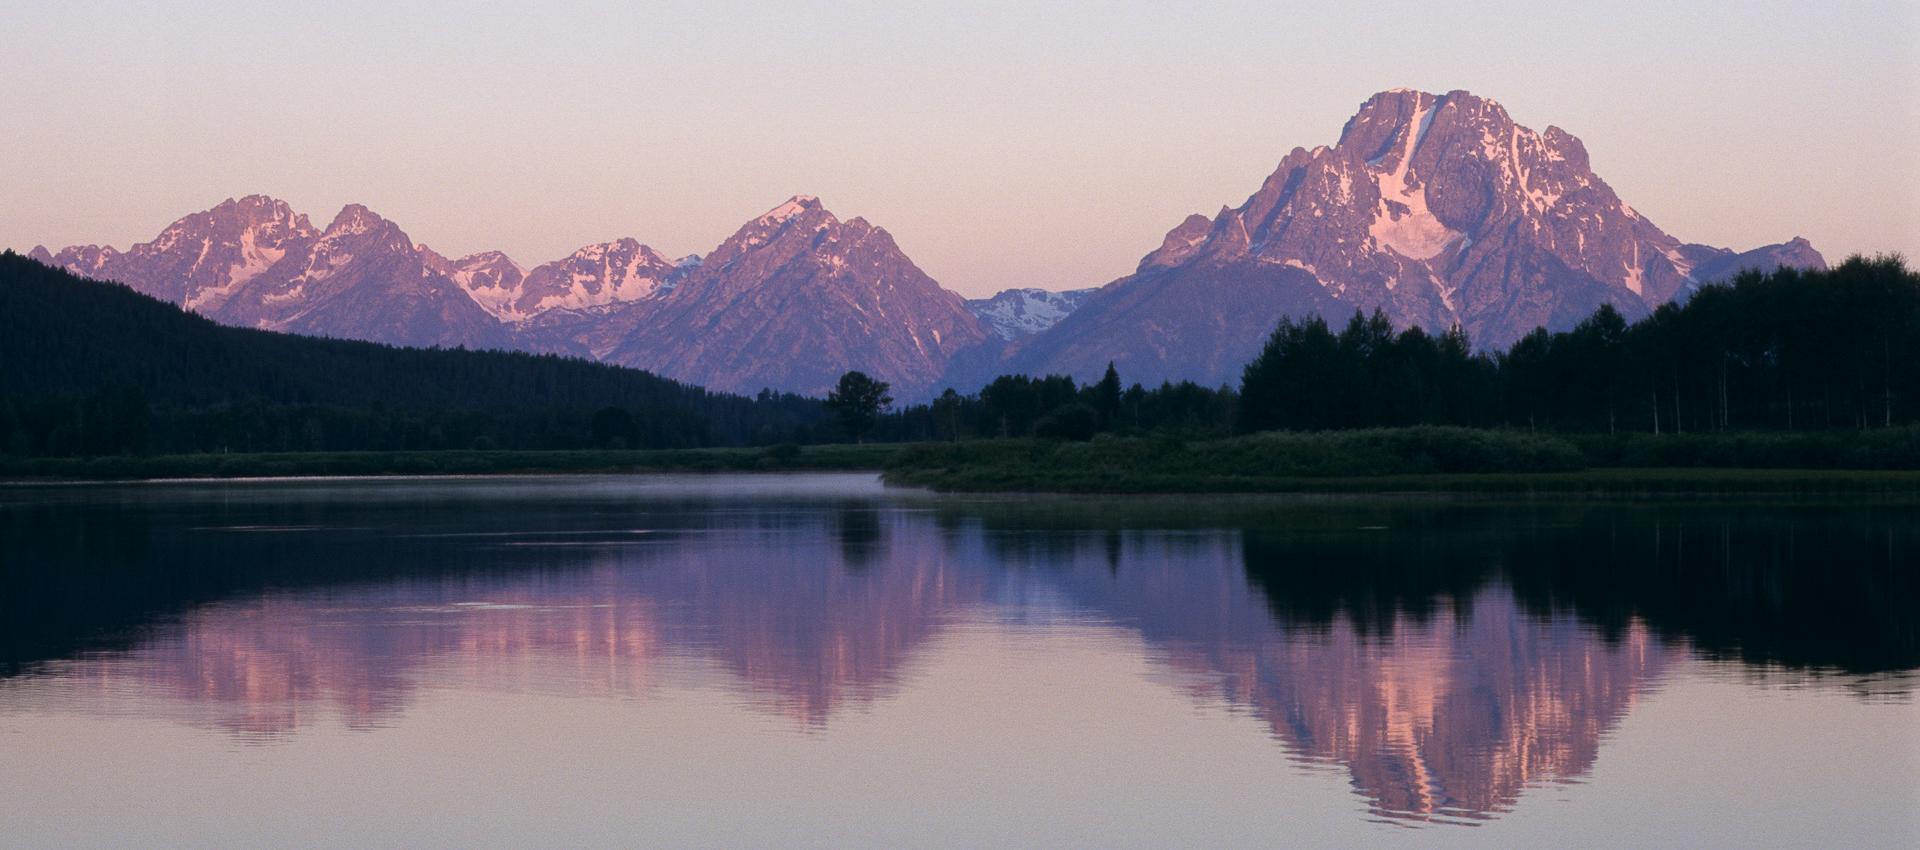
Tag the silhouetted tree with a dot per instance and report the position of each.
(946, 414)
(1105, 396)
(857, 402)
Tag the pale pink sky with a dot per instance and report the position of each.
(1002, 144)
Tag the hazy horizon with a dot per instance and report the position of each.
(1002, 146)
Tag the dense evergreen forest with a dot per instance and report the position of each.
(90, 368)
(1785, 350)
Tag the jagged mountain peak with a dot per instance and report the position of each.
(1416, 174)
(792, 300)
(799, 227)
(1437, 208)
(253, 218)
(600, 249)
(593, 276)
(794, 206)
(258, 205)
(355, 219)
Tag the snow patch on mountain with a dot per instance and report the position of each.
(594, 276)
(1015, 313)
(254, 259)
(793, 206)
(1403, 222)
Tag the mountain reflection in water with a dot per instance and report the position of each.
(1446, 656)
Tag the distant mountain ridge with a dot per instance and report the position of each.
(254, 262)
(791, 301)
(1437, 209)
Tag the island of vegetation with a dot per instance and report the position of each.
(1787, 381)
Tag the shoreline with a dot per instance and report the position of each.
(1601, 483)
(884, 460)
(455, 463)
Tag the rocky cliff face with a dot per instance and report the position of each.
(1437, 209)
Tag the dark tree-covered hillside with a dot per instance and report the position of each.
(90, 368)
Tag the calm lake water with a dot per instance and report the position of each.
(821, 661)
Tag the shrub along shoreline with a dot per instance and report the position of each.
(1428, 459)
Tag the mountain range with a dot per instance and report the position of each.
(1438, 209)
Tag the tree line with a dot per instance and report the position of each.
(1056, 407)
(89, 368)
(1789, 349)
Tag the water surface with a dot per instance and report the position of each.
(820, 661)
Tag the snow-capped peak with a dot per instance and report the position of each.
(594, 276)
(793, 206)
(353, 219)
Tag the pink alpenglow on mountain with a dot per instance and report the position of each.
(790, 302)
(254, 262)
(1437, 209)
(793, 300)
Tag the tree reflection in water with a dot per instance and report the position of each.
(1446, 655)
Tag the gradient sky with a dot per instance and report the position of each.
(1003, 143)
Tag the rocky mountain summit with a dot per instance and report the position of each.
(791, 301)
(1437, 208)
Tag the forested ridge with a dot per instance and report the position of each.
(90, 368)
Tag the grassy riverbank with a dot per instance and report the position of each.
(1441, 460)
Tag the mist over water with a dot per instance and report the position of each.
(819, 660)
